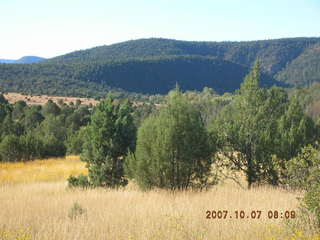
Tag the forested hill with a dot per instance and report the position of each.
(275, 55)
(156, 65)
(150, 75)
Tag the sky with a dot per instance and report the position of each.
(49, 28)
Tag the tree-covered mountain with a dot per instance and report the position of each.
(274, 55)
(148, 76)
(156, 65)
(26, 59)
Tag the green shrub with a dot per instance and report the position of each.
(173, 148)
(311, 201)
(80, 181)
(76, 211)
(302, 172)
(109, 137)
(11, 149)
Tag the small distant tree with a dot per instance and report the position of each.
(60, 102)
(78, 102)
(109, 137)
(18, 110)
(51, 108)
(173, 148)
(32, 119)
(3, 100)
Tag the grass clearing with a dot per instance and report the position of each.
(36, 206)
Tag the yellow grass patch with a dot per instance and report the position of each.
(43, 99)
(40, 206)
(53, 169)
(43, 210)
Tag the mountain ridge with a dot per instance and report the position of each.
(24, 60)
(154, 65)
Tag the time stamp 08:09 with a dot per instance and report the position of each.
(254, 214)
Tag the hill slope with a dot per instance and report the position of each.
(156, 65)
(151, 75)
(303, 70)
(274, 54)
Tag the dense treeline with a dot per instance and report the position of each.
(30, 132)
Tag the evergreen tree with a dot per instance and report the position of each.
(51, 108)
(173, 148)
(109, 137)
(11, 150)
(247, 129)
(296, 130)
(32, 118)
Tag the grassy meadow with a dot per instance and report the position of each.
(36, 204)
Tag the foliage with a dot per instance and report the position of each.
(75, 141)
(312, 201)
(173, 148)
(11, 148)
(109, 137)
(79, 181)
(30, 132)
(296, 130)
(302, 171)
(261, 123)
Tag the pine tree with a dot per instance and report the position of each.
(173, 148)
(247, 129)
(109, 137)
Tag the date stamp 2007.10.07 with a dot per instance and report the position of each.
(253, 214)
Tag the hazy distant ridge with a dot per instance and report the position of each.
(26, 59)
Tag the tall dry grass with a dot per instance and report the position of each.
(43, 210)
(53, 169)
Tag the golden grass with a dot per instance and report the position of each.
(41, 210)
(53, 169)
(43, 99)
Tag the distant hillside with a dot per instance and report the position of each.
(26, 59)
(153, 65)
(274, 54)
(303, 70)
(152, 75)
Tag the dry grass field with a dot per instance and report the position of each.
(36, 204)
(42, 99)
(48, 170)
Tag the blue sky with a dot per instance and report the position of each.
(49, 28)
